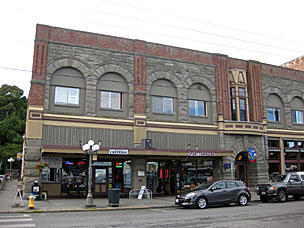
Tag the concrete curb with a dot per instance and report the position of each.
(84, 209)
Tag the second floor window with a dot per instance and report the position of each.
(110, 100)
(163, 105)
(274, 114)
(66, 95)
(297, 116)
(197, 108)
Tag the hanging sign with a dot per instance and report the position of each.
(252, 155)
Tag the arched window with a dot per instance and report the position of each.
(198, 100)
(297, 107)
(274, 108)
(112, 95)
(163, 95)
(67, 91)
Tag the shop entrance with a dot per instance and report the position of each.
(100, 181)
(241, 167)
(167, 181)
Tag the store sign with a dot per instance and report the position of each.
(118, 152)
(200, 154)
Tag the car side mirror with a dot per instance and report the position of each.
(213, 189)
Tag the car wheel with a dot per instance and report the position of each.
(296, 197)
(264, 199)
(243, 200)
(201, 202)
(282, 196)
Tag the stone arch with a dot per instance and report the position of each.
(123, 72)
(274, 90)
(167, 76)
(57, 64)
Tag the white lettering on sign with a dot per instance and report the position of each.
(119, 152)
(201, 154)
(141, 192)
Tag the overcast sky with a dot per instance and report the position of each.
(269, 31)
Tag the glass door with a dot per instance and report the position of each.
(100, 181)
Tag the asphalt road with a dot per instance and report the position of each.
(256, 214)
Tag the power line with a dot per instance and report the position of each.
(188, 39)
(192, 30)
(201, 21)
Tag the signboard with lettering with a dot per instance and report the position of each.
(118, 152)
(201, 154)
(141, 192)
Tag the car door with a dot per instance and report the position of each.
(217, 193)
(231, 191)
(294, 185)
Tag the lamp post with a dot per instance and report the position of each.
(11, 160)
(90, 149)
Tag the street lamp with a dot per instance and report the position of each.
(11, 160)
(90, 149)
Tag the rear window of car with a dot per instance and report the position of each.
(302, 177)
(240, 184)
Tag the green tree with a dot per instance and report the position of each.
(12, 123)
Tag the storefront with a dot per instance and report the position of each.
(163, 175)
(285, 157)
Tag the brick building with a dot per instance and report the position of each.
(297, 64)
(201, 113)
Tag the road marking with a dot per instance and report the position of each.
(160, 210)
(16, 221)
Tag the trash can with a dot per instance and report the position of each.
(113, 195)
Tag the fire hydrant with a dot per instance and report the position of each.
(31, 201)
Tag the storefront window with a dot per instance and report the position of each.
(73, 170)
(274, 155)
(291, 156)
(302, 155)
(273, 143)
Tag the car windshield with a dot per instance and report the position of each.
(204, 185)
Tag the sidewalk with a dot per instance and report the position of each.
(7, 196)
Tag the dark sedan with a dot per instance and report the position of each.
(215, 192)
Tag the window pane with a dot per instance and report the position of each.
(115, 100)
(270, 114)
(300, 117)
(233, 109)
(61, 95)
(157, 104)
(232, 91)
(242, 92)
(277, 115)
(64, 95)
(104, 99)
(73, 97)
(168, 105)
(192, 108)
(200, 108)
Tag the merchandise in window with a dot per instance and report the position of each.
(163, 105)
(110, 100)
(66, 96)
(274, 114)
(197, 108)
(297, 116)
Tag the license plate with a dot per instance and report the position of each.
(263, 193)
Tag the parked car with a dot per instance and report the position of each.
(293, 184)
(215, 192)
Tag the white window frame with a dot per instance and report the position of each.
(298, 116)
(163, 101)
(111, 99)
(273, 114)
(66, 96)
(196, 108)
